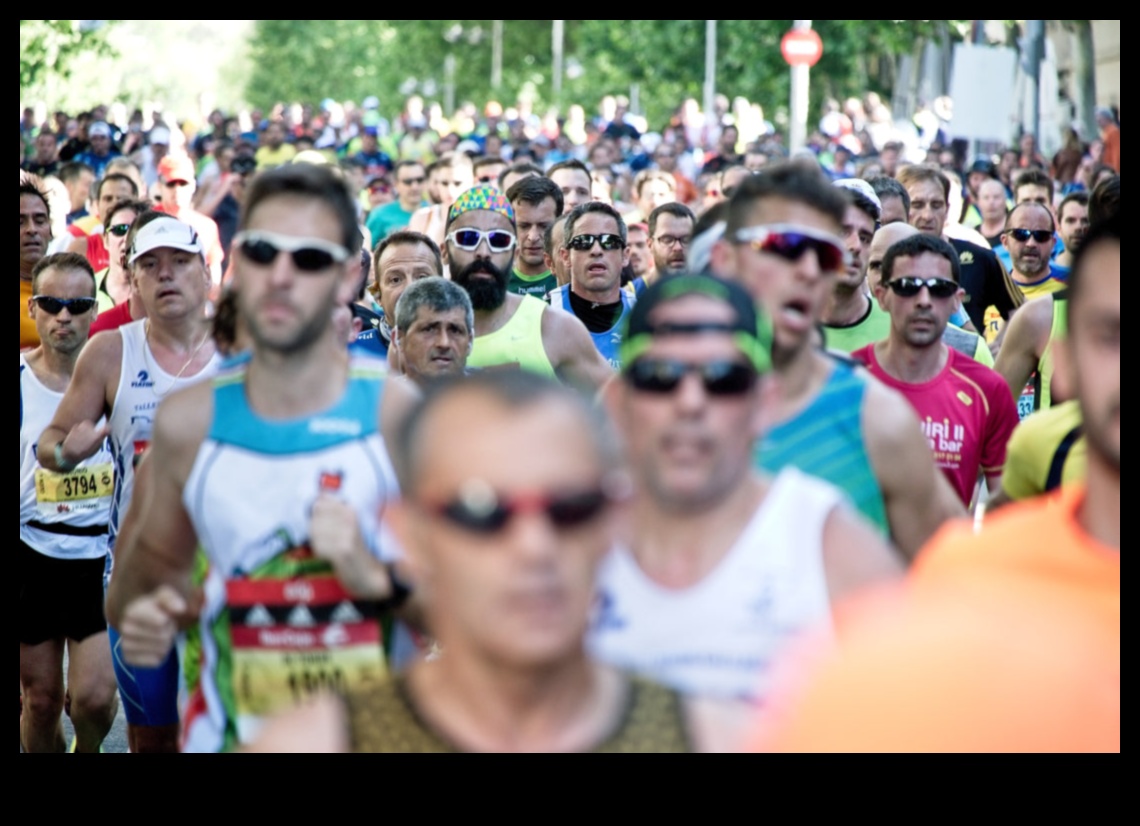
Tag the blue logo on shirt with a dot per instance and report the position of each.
(142, 380)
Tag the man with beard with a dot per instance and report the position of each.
(1029, 238)
(510, 329)
(1073, 225)
(670, 234)
(965, 411)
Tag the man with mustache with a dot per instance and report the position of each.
(965, 409)
(512, 330)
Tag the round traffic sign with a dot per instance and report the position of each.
(801, 47)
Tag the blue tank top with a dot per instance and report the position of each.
(607, 342)
(826, 441)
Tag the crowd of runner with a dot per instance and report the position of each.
(509, 432)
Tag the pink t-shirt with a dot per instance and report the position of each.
(966, 412)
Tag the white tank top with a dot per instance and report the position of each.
(719, 637)
(80, 498)
(142, 385)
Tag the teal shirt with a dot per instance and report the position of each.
(826, 441)
(385, 219)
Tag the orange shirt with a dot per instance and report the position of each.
(1111, 138)
(1008, 640)
(29, 336)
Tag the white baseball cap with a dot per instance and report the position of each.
(165, 232)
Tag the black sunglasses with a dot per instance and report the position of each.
(53, 306)
(583, 243)
(1038, 235)
(720, 378)
(484, 512)
(910, 285)
(309, 254)
(119, 230)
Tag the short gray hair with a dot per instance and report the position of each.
(439, 294)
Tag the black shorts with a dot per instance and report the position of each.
(59, 598)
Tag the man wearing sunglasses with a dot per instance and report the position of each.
(279, 472)
(512, 330)
(386, 219)
(1029, 238)
(964, 407)
(724, 563)
(504, 544)
(63, 531)
(124, 376)
(114, 280)
(112, 189)
(781, 243)
(595, 252)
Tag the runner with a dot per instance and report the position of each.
(851, 317)
(829, 421)
(35, 233)
(505, 542)
(725, 565)
(963, 407)
(402, 258)
(512, 329)
(123, 377)
(1046, 450)
(278, 468)
(538, 204)
(595, 252)
(434, 330)
(63, 531)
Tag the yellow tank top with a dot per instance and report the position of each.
(517, 343)
(384, 720)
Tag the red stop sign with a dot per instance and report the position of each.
(801, 47)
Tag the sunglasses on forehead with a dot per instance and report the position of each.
(909, 286)
(792, 242)
(309, 254)
(54, 306)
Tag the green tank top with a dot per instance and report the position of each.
(1045, 365)
(383, 719)
(536, 285)
(874, 326)
(518, 342)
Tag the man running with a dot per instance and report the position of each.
(965, 411)
(63, 531)
(401, 259)
(123, 377)
(434, 330)
(35, 233)
(781, 244)
(512, 329)
(538, 204)
(724, 565)
(504, 544)
(851, 317)
(595, 252)
(279, 471)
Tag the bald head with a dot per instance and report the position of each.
(884, 237)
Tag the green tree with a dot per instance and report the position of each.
(50, 47)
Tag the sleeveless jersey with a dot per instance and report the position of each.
(826, 441)
(719, 637)
(383, 718)
(607, 342)
(142, 385)
(518, 342)
(1046, 450)
(1045, 366)
(277, 624)
(58, 503)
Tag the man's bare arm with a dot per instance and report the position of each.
(156, 547)
(572, 352)
(1026, 336)
(88, 398)
(918, 497)
(855, 556)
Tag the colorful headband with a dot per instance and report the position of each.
(485, 197)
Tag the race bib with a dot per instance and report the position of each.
(84, 488)
(1027, 401)
(291, 638)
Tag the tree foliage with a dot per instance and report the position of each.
(50, 46)
(309, 60)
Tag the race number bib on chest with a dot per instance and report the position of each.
(294, 637)
(82, 489)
